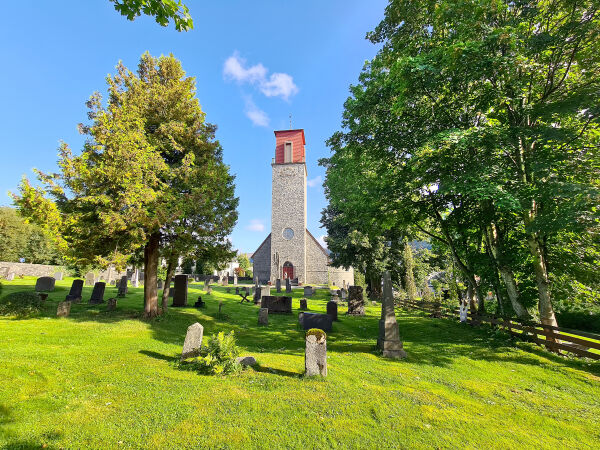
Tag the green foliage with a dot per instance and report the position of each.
(360, 280)
(20, 304)
(162, 10)
(219, 355)
(244, 261)
(427, 295)
(409, 278)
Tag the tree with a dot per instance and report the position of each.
(409, 278)
(162, 10)
(150, 175)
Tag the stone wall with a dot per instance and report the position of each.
(28, 270)
(316, 261)
(261, 261)
(337, 275)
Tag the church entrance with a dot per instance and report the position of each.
(288, 270)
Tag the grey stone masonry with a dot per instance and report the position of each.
(45, 284)
(193, 341)
(389, 335)
(75, 292)
(263, 316)
(180, 291)
(315, 355)
(63, 309)
(98, 293)
(356, 303)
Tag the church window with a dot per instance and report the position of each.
(288, 233)
(287, 153)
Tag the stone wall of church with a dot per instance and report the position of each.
(262, 261)
(337, 276)
(316, 262)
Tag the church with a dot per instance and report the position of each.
(291, 251)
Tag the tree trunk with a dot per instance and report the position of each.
(151, 276)
(167, 287)
(547, 316)
(374, 287)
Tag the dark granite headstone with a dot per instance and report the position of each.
(356, 304)
(98, 293)
(276, 305)
(122, 286)
(332, 310)
(180, 294)
(314, 320)
(75, 292)
(199, 303)
(303, 304)
(278, 285)
(45, 284)
(288, 286)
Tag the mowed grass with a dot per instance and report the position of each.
(111, 380)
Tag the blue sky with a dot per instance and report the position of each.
(254, 63)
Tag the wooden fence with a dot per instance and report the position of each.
(556, 339)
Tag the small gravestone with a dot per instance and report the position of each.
(246, 360)
(199, 303)
(278, 285)
(159, 284)
(343, 294)
(58, 276)
(98, 293)
(288, 286)
(332, 310)
(276, 305)
(235, 280)
(315, 320)
(10, 276)
(315, 355)
(193, 341)
(122, 286)
(44, 284)
(75, 292)
(111, 304)
(90, 279)
(237, 291)
(263, 316)
(356, 303)
(181, 287)
(389, 336)
(303, 304)
(63, 309)
(308, 291)
(264, 291)
(225, 281)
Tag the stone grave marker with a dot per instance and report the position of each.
(276, 305)
(10, 276)
(44, 284)
(303, 304)
(98, 293)
(332, 310)
(74, 294)
(315, 355)
(263, 316)
(344, 294)
(308, 291)
(199, 303)
(278, 285)
(261, 292)
(288, 286)
(315, 320)
(58, 276)
(193, 340)
(122, 286)
(356, 304)
(389, 335)
(235, 282)
(90, 279)
(112, 304)
(63, 309)
(159, 284)
(181, 287)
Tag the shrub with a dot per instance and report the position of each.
(21, 304)
(219, 355)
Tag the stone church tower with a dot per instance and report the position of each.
(291, 251)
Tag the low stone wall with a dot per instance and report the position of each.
(26, 269)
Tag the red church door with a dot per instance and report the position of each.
(288, 270)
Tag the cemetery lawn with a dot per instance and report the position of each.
(111, 380)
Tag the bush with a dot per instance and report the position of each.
(21, 304)
(219, 355)
(579, 320)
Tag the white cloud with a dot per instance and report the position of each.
(321, 240)
(255, 114)
(316, 181)
(256, 225)
(277, 85)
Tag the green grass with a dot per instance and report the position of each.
(111, 380)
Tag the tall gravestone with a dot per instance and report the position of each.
(90, 279)
(315, 356)
(389, 335)
(235, 281)
(303, 304)
(193, 339)
(44, 284)
(288, 286)
(159, 284)
(98, 293)
(356, 303)
(181, 287)
(332, 310)
(278, 285)
(74, 294)
(123, 286)
(263, 316)
(262, 292)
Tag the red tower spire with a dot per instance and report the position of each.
(289, 146)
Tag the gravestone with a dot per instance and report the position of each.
(199, 303)
(193, 339)
(75, 292)
(237, 290)
(308, 291)
(225, 281)
(180, 294)
(159, 284)
(112, 304)
(122, 287)
(63, 309)
(261, 292)
(263, 316)
(98, 293)
(276, 305)
(315, 355)
(332, 310)
(389, 335)
(343, 294)
(44, 284)
(356, 303)
(90, 279)
(209, 290)
(314, 320)
(288, 286)
(303, 304)
(58, 276)
(235, 280)
(278, 285)
(10, 276)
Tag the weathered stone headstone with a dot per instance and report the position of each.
(237, 290)
(225, 280)
(315, 355)
(235, 280)
(332, 310)
(10, 276)
(343, 294)
(63, 309)
(58, 276)
(209, 290)
(277, 305)
(314, 320)
(262, 292)
(308, 291)
(263, 316)
(246, 360)
(389, 335)
(193, 340)
(180, 294)
(356, 304)
(122, 287)
(288, 286)
(75, 292)
(303, 304)
(278, 285)
(90, 279)
(44, 284)
(98, 293)
(111, 304)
